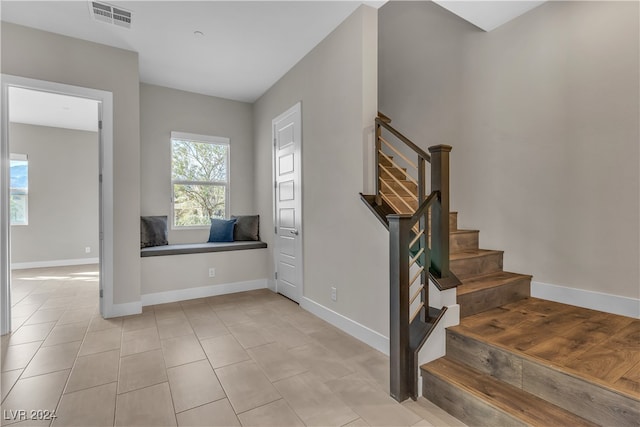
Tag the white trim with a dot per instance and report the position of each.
(436, 344)
(600, 301)
(271, 284)
(5, 229)
(192, 137)
(19, 157)
(54, 263)
(202, 292)
(366, 335)
(206, 139)
(105, 100)
(125, 309)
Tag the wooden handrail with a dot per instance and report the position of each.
(422, 209)
(404, 139)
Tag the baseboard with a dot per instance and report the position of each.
(53, 263)
(126, 309)
(600, 301)
(351, 327)
(202, 292)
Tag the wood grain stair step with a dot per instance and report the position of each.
(484, 292)
(409, 185)
(570, 389)
(463, 240)
(469, 263)
(402, 208)
(393, 171)
(481, 400)
(384, 161)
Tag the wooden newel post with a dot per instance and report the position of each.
(440, 211)
(399, 305)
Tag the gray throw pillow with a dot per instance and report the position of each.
(153, 231)
(247, 227)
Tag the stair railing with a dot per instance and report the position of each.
(418, 249)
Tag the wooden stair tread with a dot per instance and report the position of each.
(511, 400)
(487, 281)
(490, 327)
(463, 231)
(473, 253)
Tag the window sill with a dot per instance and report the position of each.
(198, 248)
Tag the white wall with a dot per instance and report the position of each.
(31, 53)
(543, 116)
(163, 110)
(344, 244)
(187, 276)
(63, 194)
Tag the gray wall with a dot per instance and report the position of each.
(163, 110)
(344, 244)
(543, 117)
(35, 54)
(63, 194)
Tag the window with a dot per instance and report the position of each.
(19, 189)
(199, 179)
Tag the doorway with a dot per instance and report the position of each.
(101, 249)
(287, 167)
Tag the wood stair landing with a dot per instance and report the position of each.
(583, 361)
(480, 400)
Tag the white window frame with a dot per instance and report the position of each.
(23, 158)
(207, 139)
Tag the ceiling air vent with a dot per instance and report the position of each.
(105, 12)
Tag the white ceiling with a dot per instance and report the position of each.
(50, 109)
(246, 47)
(488, 15)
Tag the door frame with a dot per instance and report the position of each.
(106, 211)
(295, 109)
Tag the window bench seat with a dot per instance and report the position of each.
(197, 248)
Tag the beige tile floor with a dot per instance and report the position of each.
(252, 358)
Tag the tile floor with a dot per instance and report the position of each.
(252, 359)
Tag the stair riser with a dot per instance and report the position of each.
(384, 162)
(462, 405)
(503, 365)
(453, 216)
(393, 171)
(477, 265)
(402, 192)
(463, 241)
(588, 400)
(483, 300)
(413, 188)
(409, 207)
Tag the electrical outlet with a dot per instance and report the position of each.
(87, 250)
(212, 272)
(334, 294)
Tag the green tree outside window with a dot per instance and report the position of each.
(200, 180)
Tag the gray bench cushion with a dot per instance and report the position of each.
(197, 248)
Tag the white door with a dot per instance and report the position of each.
(287, 139)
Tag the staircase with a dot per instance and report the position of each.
(511, 360)
(484, 284)
(541, 363)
